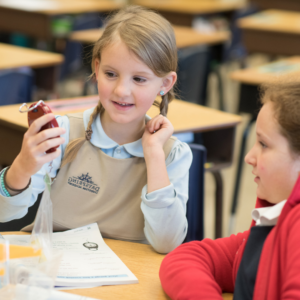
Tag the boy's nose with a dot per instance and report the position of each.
(250, 157)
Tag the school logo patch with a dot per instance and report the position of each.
(84, 182)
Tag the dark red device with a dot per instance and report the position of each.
(37, 110)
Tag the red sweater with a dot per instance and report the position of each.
(205, 269)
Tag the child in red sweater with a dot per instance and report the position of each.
(262, 263)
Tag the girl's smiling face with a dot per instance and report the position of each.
(275, 166)
(127, 87)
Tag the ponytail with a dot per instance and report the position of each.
(74, 146)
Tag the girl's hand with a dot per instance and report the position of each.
(32, 155)
(157, 131)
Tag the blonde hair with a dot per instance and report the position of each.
(151, 38)
(284, 93)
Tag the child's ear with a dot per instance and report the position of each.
(97, 63)
(169, 81)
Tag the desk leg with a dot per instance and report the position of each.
(219, 203)
(239, 174)
(216, 60)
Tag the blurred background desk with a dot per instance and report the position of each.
(43, 63)
(273, 32)
(33, 17)
(293, 5)
(143, 262)
(182, 12)
(217, 128)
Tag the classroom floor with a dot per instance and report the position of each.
(73, 86)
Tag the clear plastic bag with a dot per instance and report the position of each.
(33, 273)
(41, 236)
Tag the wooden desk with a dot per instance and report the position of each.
(273, 32)
(293, 5)
(182, 12)
(44, 63)
(185, 36)
(33, 17)
(267, 72)
(144, 262)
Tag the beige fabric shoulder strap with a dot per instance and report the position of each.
(77, 125)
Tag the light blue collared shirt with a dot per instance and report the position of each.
(164, 209)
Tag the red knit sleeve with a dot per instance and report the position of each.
(201, 269)
(291, 262)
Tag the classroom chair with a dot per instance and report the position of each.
(194, 66)
(193, 69)
(235, 50)
(195, 204)
(76, 56)
(16, 86)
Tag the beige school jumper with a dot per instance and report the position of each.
(98, 188)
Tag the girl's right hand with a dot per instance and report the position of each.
(32, 155)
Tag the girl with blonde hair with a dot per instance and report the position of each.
(117, 167)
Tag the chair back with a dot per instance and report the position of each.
(195, 204)
(16, 87)
(193, 69)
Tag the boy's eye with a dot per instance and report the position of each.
(139, 79)
(263, 145)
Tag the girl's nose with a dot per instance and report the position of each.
(250, 157)
(122, 89)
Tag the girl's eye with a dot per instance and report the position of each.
(110, 74)
(263, 145)
(139, 79)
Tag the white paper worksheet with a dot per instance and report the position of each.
(88, 260)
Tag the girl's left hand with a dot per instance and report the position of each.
(157, 131)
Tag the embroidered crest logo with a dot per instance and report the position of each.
(84, 182)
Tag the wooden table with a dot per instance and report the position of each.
(185, 36)
(182, 12)
(293, 5)
(250, 79)
(144, 262)
(267, 72)
(44, 63)
(272, 31)
(217, 128)
(33, 17)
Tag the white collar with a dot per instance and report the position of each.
(101, 140)
(267, 216)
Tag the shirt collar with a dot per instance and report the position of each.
(267, 216)
(101, 140)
